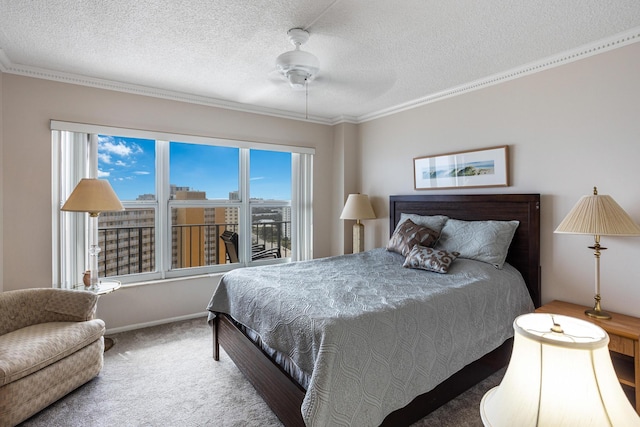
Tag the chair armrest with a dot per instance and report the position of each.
(25, 307)
(268, 253)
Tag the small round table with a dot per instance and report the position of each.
(104, 287)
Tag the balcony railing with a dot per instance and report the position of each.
(131, 250)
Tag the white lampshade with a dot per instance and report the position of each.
(357, 207)
(560, 374)
(93, 196)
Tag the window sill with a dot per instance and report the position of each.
(171, 280)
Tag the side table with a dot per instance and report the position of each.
(624, 338)
(104, 287)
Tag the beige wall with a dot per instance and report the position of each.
(346, 175)
(28, 106)
(569, 128)
(1, 186)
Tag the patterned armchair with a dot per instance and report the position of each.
(50, 344)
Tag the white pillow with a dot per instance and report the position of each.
(486, 241)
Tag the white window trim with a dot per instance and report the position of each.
(301, 199)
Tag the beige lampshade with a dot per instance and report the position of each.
(598, 215)
(93, 196)
(560, 374)
(357, 207)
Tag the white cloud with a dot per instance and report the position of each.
(103, 174)
(257, 178)
(141, 173)
(104, 158)
(120, 149)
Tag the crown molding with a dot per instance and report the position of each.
(6, 66)
(585, 51)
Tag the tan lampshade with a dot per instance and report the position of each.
(93, 196)
(357, 207)
(598, 215)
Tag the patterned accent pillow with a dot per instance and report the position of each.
(429, 259)
(409, 234)
(486, 241)
(434, 222)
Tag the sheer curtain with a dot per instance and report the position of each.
(71, 162)
(302, 200)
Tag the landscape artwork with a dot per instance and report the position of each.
(482, 168)
(486, 167)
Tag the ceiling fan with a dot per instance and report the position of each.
(297, 66)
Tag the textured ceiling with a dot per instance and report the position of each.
(376, 56)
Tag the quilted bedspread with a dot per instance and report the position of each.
(371, 334)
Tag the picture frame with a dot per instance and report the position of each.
(488, 167)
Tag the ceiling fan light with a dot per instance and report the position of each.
(297, 78)
(297, 66)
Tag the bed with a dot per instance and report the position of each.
(286, 396)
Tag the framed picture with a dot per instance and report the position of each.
(482, 168)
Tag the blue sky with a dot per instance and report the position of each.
(129, 165)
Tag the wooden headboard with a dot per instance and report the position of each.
(524, 252)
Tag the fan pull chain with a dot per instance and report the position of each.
(306, 99)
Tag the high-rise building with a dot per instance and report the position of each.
(128, 238)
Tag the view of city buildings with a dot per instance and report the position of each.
(128, 239)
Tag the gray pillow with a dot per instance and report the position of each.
(409, 234)
(429, 259)
(434, 222)
(486, 241)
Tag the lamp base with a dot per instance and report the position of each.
(596, 312)
(358, 237)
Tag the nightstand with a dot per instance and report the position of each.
(624, 336)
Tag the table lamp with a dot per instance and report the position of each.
(93, 196)
(358, 207)
(560, 374)
(598, 215)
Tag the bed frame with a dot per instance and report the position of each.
(284, 396)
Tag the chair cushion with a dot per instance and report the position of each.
(34, 347)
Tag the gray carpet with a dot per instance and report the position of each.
(165, 376)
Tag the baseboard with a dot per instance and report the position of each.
(155, 323)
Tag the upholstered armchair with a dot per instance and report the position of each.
(50, 344)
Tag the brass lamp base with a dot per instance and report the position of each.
(596, 312)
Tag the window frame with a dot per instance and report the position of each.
(85, 165)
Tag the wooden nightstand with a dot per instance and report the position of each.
(624, 336)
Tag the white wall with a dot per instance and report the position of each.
(29, 104)
(568, 128)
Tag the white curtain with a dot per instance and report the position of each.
(302, 200)
(70, 151)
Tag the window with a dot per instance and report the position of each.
(193, 205)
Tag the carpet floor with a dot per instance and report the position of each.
(165, 376)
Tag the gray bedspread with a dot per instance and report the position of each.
(371, 334)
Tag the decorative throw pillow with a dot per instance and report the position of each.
(429, 259)
(434, 222)
(486, 241)
(409, 234)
